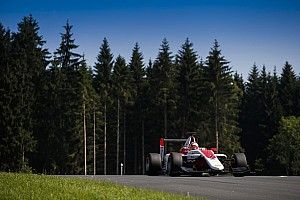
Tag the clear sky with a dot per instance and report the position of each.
(255, 31)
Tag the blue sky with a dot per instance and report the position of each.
(257, 31)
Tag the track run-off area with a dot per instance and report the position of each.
(215, 187)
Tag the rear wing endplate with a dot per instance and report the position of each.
(162, 145)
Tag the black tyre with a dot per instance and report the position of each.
(239, 164)
(239, 160)
(174, 164)
(153, 164)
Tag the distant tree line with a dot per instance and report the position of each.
(60, 116)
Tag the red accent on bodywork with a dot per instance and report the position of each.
(214, 149)
(208, 153)
(162, 142)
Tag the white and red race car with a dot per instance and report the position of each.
(194, 160)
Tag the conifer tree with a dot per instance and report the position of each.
(51, 151)
(266, 119)
(162, 88)
(187, 75)
(261, 115)
(297, 97)
(102, 84)
(121, 79)
(136, 66)
(287, 90)
(29, 60)
(122, 96)
(64, 55)
(8, 83)
(272, 116)
(160, 98)
(271, 103)
(85, 118)
(69, 137)
(239, 83)
(223, 100)
(238, 79)
(251, 112)
(137, 115)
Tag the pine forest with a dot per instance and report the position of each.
(58, 115)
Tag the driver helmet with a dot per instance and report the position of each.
(194, 145)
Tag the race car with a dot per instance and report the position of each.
(194, 160)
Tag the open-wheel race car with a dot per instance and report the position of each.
(194, 160)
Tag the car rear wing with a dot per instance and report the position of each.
(163, 142)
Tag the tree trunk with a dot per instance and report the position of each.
(216, 122)
(124, 141)
(84, 135)
(118, 137)
(94, 141)
(143, 148)
(104, 167)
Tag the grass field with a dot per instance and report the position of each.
(31, 186)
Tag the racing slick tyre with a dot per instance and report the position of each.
(239, 164)
(153, 164)
(174, 164)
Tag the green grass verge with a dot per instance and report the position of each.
(31, 186)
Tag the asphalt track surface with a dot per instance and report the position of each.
(217, 187)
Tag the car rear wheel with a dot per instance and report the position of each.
(153, 164)
(239, 160)
(239, 164)
(174, 164)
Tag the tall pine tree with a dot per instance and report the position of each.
(287, 90)
(251, 112)
(137, 115)
(162, 95)
(8, 84)
(223, 101)
(297, 97)
(70, 103)
(103, 84)
(187, 80)
(29, 60)
(122, 97)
